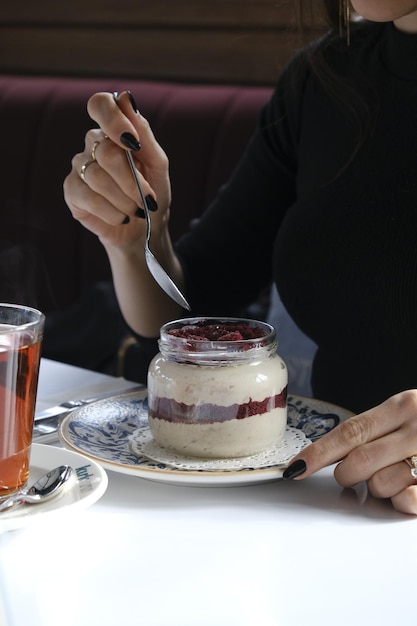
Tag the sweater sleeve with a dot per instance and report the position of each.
(227, 253)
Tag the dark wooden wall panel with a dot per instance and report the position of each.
(139, 12)
(233, 41)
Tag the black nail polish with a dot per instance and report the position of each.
(130, 141)
(132, 102)
(126, 220)
(140, 213)
(295, 469)
(151, 202)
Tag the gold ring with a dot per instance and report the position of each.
(84, 167)
(93, 150)
(412, 464)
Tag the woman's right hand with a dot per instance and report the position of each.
(107, 201)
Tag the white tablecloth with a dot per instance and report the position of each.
(277, 554)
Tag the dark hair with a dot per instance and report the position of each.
(327, 15)
(322, 13)
(332, 9)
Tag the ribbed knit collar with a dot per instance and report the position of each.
(399, 52)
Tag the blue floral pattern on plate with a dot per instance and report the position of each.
(103, 431)
(314, 417)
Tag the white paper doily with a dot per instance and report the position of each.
(142, 444)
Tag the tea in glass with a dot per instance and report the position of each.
(21, 333)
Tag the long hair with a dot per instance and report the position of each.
(320, 13)
(326, 15)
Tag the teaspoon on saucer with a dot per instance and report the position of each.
(46, 487)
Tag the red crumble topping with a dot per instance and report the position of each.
(204, 331)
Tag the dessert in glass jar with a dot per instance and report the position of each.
(217, 388)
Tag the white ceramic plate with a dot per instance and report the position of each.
(103, 431)
(87, 484)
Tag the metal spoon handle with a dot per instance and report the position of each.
(160, 275)
(142, 195)
(162, 278)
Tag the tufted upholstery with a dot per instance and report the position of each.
(50, 259)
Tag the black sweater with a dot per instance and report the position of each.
(330, 217)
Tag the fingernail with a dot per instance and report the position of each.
(295, 469)
(130, 141)
(126, 220)
(151, 202)
(132, 102)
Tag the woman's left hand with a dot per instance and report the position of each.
(373, 446)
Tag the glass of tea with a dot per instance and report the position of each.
(21, 334)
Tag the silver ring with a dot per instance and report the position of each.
(412, 464)
(84, 168)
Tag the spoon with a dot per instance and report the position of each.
(162, 278)
(46, 487)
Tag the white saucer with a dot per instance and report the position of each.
(86, 486)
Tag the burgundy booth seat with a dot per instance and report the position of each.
(48, 259)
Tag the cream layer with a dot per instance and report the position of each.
(232, 438)
(222, 385)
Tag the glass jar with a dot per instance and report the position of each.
(217, 388)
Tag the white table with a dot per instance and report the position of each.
(278, 554)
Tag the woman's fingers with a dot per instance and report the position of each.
(342, 440)
(376, 438)
(120, 119)
(371, 446)
(85, 203)
(406, 500)
(112, 177)
(122, 127)
(366, 460)
(151, 155)
(103, 168)
(114, 122)
(94, 211)
(391, 481)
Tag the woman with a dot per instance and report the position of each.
(324, 202)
